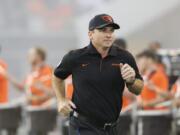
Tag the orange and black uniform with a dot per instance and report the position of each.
(69, 92)
(69, 87)
(159, 79)
(3, 85)
(43, 76)
(98, 86)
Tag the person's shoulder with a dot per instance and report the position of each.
(161, 74)
(76, 53)
(48, 68)
(158, 75)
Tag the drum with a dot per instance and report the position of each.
(177, 121)
(10, 117)
(124, 124)
(41, 119)
(154, 122)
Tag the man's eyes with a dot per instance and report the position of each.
(105, 30)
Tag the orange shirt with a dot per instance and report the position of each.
(127, 98)
(41, 77)
(126, 102)
(3, 85)
(160, 79)
(69, 87)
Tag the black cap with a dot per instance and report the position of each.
(101, 21)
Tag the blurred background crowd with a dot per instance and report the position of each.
(34, 36)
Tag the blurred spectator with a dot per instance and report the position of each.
(154, 46)
(175, 93)
(156, 81)
(37, 84)
(120, 43)
(3, 82)
(69, 87)
(128, 99)
(141, 63)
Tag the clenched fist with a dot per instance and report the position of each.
(127, 72)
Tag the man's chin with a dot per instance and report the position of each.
(107, 45)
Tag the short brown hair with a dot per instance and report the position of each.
(41, 52)
(148, 54)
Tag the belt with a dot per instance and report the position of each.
(105, 126)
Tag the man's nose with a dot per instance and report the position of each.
(108, 34)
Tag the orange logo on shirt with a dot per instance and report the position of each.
(84, 64)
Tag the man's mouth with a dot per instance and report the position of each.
(107, 40)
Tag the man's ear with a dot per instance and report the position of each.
(90, 34)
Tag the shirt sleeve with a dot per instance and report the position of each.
(64, 69)
(132, 63)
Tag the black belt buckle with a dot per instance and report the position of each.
(107, 126)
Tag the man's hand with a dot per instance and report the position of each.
(65, 107)
(127, 72)
(36, 98)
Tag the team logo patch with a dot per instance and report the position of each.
(107, 18)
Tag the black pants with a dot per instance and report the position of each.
(77, 127)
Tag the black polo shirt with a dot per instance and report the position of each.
(98, 86)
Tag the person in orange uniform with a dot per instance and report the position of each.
(155, 89)
(69, 87)
(37, 84)
(174, 93)
(128, 100)
(3, 83)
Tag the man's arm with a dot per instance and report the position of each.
(12, 79)
(136, 87)
(161, 92)
(59, 88)
(63, 70)
(134, 84)
(64, 105)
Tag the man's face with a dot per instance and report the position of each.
(102, 37)
(142, 64)
(33, 57)
(145, 63)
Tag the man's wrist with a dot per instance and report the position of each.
(131, 83)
